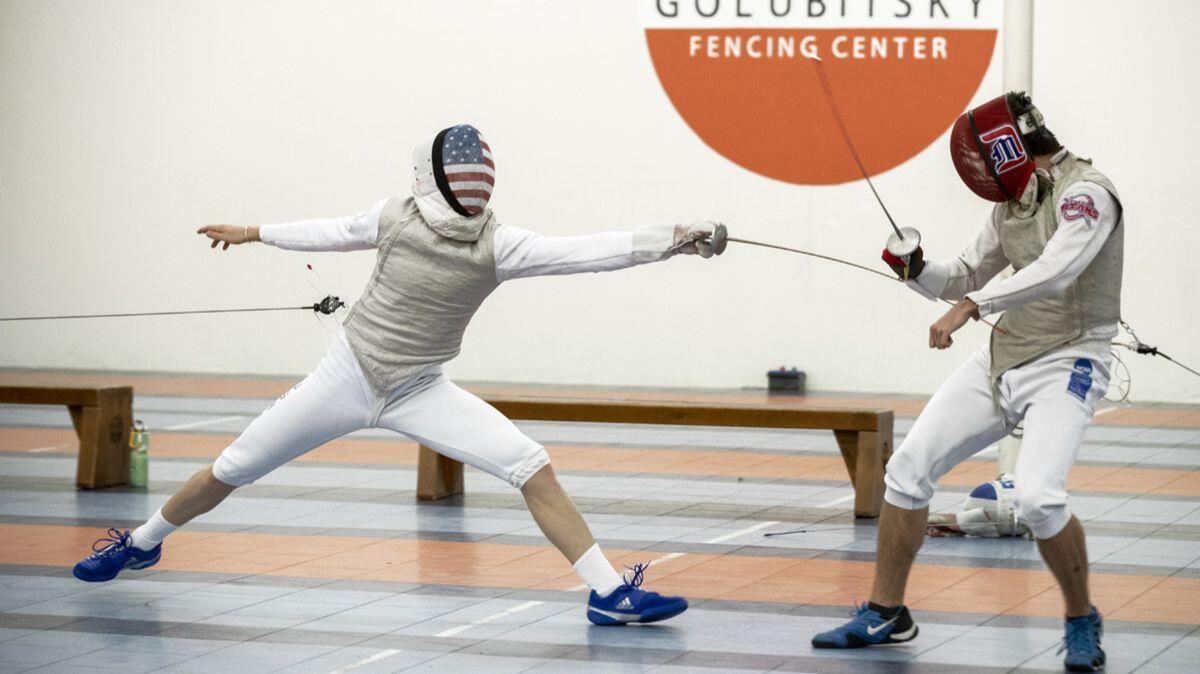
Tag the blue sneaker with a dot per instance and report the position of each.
(630, 604)
(869, 628)
(112, 555)
(1082, 643)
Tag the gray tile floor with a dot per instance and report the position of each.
(194, 622)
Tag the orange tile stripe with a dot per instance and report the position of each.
(684, 463)
(271, 387)
(768, 579)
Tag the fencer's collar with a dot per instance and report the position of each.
(1025, 205)
(1040, 184)
(1058, 163)
(445, 221)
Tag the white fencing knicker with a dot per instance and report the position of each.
(1054, 395)
(335, 400)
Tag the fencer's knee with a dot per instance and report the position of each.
(535, 463)
(907, 482)
(541, 478)
(232, 469)
(1043, 509)
(211, 481)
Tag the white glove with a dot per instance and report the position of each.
(694, 239)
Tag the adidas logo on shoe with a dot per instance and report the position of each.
(625, 605)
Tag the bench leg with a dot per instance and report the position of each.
(865, 453)
(103, 431)
(437, 476)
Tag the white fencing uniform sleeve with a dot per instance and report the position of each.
(1072, 248)
(521, 253)
(352, 232)
(975, 266)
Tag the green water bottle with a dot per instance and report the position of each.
(139, 462)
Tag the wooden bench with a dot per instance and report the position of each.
(864, 436)
(102, 418)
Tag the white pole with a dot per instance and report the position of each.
(1018, 76)
(1018, 45)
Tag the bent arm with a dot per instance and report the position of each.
(521, 253)
(352, 232)
(974, 267)
(1086, 216)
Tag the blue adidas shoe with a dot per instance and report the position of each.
(114, 554)
(630, 604)
(1081, 641)
(869, 628)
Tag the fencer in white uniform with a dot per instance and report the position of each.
(440, 253)
(972, 410)
(1058, 222)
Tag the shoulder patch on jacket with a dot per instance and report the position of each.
(1078, 206)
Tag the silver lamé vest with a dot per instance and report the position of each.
(1093, 299)
(421, 296)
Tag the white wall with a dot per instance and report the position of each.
(124, 125)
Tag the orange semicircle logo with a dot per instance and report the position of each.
(761, 106)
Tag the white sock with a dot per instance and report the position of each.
(152, 532)
(595, 570)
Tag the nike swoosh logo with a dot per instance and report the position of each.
(872, 631)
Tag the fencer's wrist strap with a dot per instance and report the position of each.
(916, 264)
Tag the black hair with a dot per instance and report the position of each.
(1040, 141)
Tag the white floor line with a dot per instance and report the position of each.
(205, 422)
(712, 541)
(459, 629)
(381, 655)
(39, 450)
(836, 501)
(1106, 410)
(665, 558)
(740, 533)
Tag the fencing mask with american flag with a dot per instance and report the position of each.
(456, 164)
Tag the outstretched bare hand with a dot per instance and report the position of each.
(229, 234)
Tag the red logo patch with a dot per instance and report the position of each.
(1079, 206)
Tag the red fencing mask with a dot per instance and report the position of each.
(987, 149)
